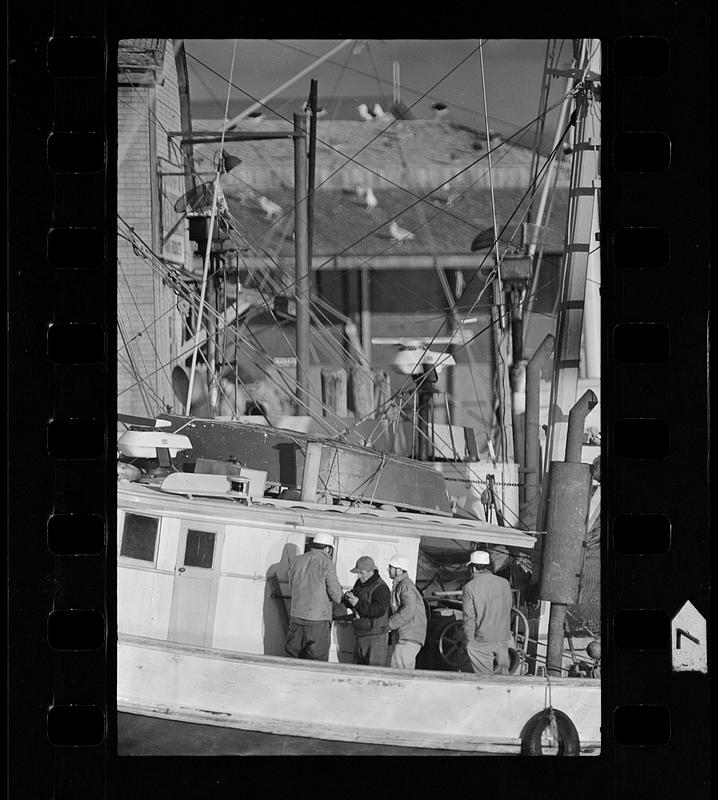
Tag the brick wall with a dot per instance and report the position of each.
(147, 317)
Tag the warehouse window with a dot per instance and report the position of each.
(139, 537)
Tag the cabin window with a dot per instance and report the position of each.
(199, 551)
(139, 537)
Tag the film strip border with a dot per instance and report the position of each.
(655, 285)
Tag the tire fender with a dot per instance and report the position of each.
(568, 741)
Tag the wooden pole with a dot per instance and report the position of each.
(312, 166)
(362, 391)
(301, 256)
(382, 393)
(334, 391)
(212, 383)
(501, 338)
(365, 312)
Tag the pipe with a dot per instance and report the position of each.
(576, 419)
(531, 423)
(301, 256)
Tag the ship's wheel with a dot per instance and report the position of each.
(453, 649)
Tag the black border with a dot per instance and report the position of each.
(677, 103)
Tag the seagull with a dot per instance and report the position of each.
(399, 234)
(483, 240)
(270, 208)
(371, 201)
(255, 116)
(377, 111)
(321, 111)
(364, 112)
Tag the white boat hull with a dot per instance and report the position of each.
(420, 708)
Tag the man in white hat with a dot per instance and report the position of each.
(407, 622)
(486, 610)
(313, 585)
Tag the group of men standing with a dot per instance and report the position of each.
(390, 624)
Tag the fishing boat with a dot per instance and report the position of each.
(202, 584)
(210, 514)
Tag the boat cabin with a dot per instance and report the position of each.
(203, 562)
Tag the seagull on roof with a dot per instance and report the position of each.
(371, 201)
(364, 112)
(321, 111)
(255, 116)
(483, 240)
(271, 209)
(399, 234)
(378, 111)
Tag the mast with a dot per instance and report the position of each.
(581, 239)
(567, 481)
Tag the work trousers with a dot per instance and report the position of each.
(371, 650)
(404, 655)
(482, 654)
(308, 638)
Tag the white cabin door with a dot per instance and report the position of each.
(196, 581)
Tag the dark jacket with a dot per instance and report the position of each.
(313, 584)
(373, 606)
(409, 615)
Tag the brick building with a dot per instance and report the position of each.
(152, 100)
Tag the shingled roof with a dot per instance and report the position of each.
(419, 153)
(344, 226)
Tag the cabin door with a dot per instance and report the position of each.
(196, 581)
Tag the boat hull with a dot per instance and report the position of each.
(419, 708)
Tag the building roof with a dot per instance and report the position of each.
(344, 226)
(140, 54)
(419, 153)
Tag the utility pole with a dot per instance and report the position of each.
(301, 256)
(312, 165)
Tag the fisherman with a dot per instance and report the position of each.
(369, 597)
(486, 609)
(407, 622)
(313, 585)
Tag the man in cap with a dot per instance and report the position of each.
(369, 598)
(313, 585)
(486, 609)
(407, 621)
